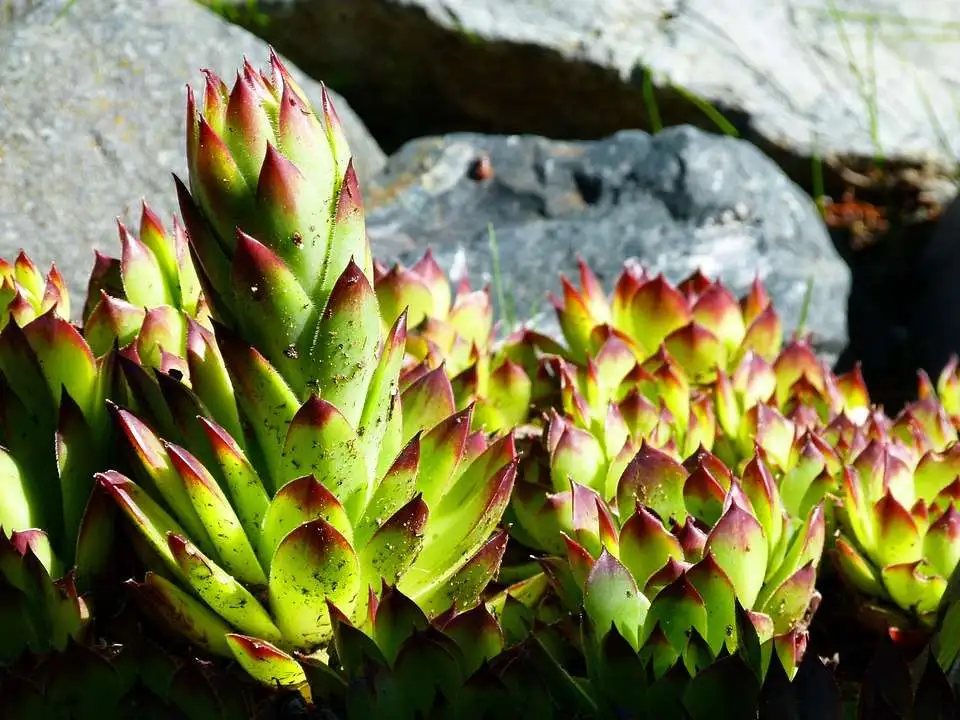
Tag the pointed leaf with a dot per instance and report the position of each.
(322, 441)
(740, 548)
(221, 591)
(395, 545)
(298, 502)
(612, 599)
(268, 664)
(314, 562)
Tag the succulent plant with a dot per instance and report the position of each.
(796, 391)
(503, 379)
(724, 383)
(298, 473)
(682, 545)
(701, 324)
(41, 610)
(318, 461)
(54, 427)
(899, 539)
(452, 326)
(140, 301)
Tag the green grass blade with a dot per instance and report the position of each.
(505, 302)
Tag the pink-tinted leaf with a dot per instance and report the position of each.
(719, 599)
(313, 562)
(464, 588)
(268, 664)
(655, 480)
(578, 457)
(703, 496)
(396, 488)
(441, 451)
(395, 545)
(612, 599)
(646, 545)
(898, 538)
(426, 402)
(321, 441)
(341, 353)
(678, 609)
(789, 602)
(299, 501)
(221, 591)
(941, 545)
(740, 548)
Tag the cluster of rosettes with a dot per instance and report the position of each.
(684, 544)
(324, 457)
(235, 393)
(662, 376)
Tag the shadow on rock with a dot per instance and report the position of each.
(903, 311)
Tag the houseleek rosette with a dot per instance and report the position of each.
(140, 301)
(54, 430)
(805, 468)
(698, 321)
(293, 471)
(454, 328)
(684, 546)
(899, 539)
(137, 304)
(444, 323)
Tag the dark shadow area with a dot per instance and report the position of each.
(903, 313)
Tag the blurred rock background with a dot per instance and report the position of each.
(814, 144)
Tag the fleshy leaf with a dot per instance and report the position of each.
(313, 562)
(298, 502)
(646, 545)
(322, 441)
(790, 601)
(655, 480)
(740, 548)
(227, 534)
(426, 402)
(183, 612)
(678, 608)
(394, 546)
(221, 591)
(268, 664)
(719, 601)
(342, 351)
(613, 599)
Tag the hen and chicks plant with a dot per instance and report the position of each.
(299, 476)
(323, 458)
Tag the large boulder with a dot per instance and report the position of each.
(92, 100)
(849, 81)
(675, 202)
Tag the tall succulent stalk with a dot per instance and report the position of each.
(299, 474)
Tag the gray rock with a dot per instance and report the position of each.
(790, 75)
(677, 201)
(92, 114)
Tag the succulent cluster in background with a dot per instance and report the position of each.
(264, 458)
